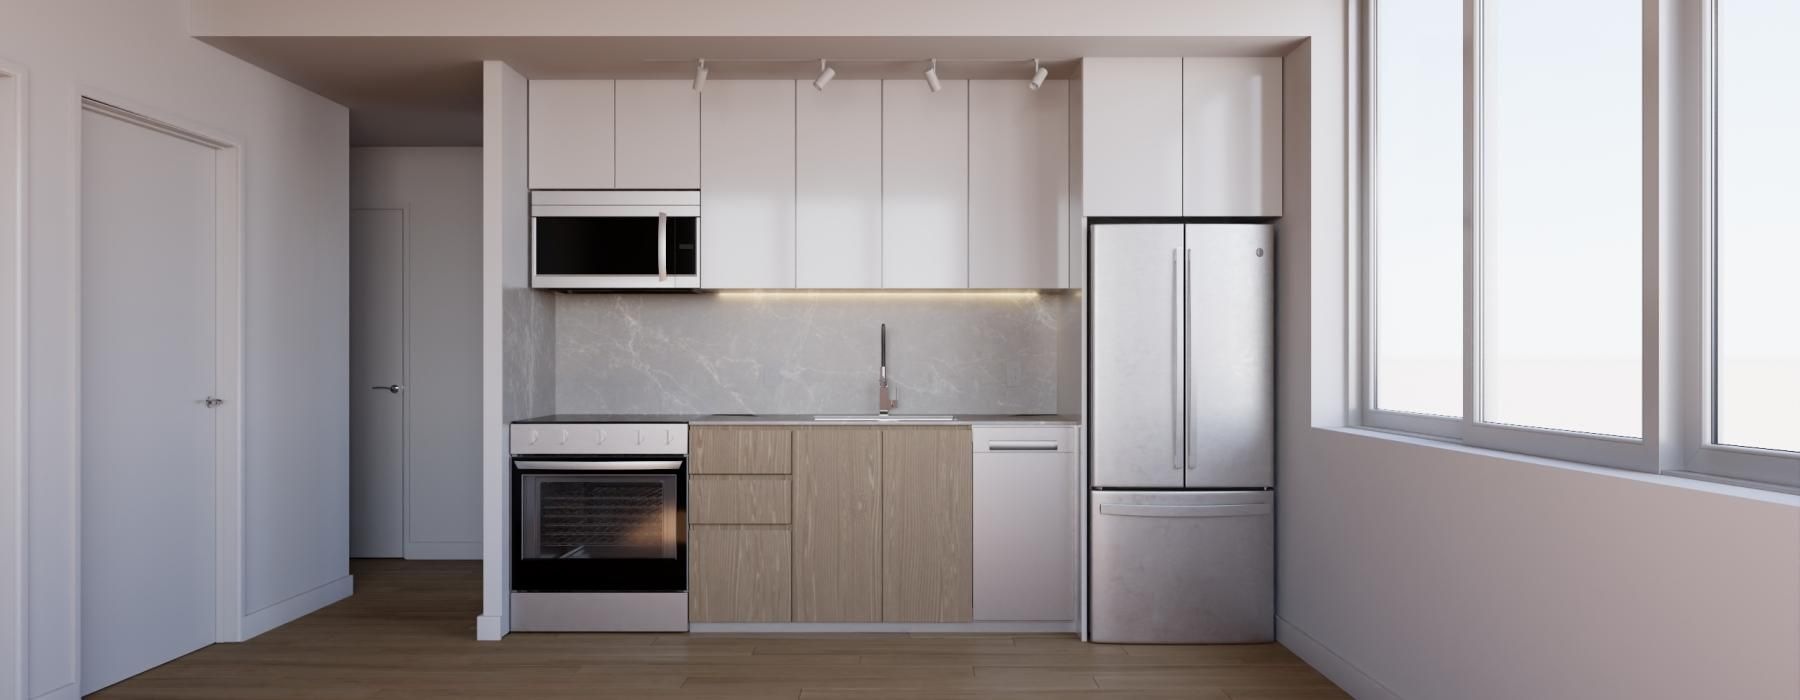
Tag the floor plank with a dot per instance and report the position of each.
(409, 632)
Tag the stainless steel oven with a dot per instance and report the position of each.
(599, 526)
(615, 239)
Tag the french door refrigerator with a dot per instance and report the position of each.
(1181, 432)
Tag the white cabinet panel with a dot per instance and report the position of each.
(1027, 524)
(925, 185)
(1232, 137)
(747, 184)
(1018, 184)
(1131, 136)
(658, 137)
(571, 134)
(838, 184)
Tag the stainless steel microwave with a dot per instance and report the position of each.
(615, 239)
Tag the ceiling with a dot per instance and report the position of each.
(426, 91)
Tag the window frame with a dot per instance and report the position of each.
(1711, 458)
(1679, 416)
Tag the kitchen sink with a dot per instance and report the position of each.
(883, 419)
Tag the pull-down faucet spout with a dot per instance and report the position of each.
(885, 401)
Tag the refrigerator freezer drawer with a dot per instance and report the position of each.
(1183, 567)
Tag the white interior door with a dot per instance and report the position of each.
(377, 411)
(148, 332)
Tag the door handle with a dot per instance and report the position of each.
(1022, 445)
(212, 401)
(391, 388)
(662, 246)
(1180, 398)
(1187, 343)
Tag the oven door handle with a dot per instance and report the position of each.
(662, 246)
(601, 466)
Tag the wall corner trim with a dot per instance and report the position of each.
(490, 628)
(1352, 679)
(297, 607)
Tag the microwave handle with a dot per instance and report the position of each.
(662, 246)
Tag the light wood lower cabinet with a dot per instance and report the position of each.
(927, 525)
(874, 525)
(837, 525)
(740, 573)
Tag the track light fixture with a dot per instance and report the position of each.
(931, 79)
(1038, 74)
(826, 73)
(700, 75)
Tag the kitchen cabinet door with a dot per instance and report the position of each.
(838, 185)
(927, 518)
(1018, 184)
(1231, 137)
(747, 184)
(1027, 523)
(1131, 136)
(570, 134)
(657, 136)
(925, 185)
(740, 573)
(837, 525)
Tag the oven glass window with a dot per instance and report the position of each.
(571, 245)
(599, 517)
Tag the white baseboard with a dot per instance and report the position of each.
(71, 691)
(443, 550)
(894, 627)
(490, 628)
(297, 607)
(1345, 674)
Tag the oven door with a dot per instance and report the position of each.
(597, 524)
(615, 246)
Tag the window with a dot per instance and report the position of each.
(1416, 207)
(1756, 243)
(1561, 224)
(1530, 168)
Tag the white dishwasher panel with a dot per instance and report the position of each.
(1027, 512)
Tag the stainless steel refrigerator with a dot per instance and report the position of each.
(1181, 432)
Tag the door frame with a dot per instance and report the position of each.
(228, 304)
(12, 385)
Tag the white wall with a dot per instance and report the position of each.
(439, 190)
(138, 55)
(505, 245)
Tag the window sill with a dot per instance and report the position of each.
(1680, 478)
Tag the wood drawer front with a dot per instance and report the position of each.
(741, 450)
(740, 500)
(740, 573)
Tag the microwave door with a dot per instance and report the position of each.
(650, 248)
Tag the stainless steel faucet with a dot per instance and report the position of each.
(885, 402)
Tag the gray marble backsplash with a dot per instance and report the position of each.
(808, 353)
(529, 349)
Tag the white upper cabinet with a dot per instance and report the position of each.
(1131, 136)
(747, 184)
(925, 185)
(838, 184)
(657, 136)
(571, 134)
(1018, 184)
(1232, 127)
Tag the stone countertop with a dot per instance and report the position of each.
(802, 419)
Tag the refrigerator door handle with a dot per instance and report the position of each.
(1187, 343)
(1154, 511)
(1180, 397)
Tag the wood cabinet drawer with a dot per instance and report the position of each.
(740, 500)
(741, 450)
(740, 573)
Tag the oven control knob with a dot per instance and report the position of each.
(601, 433)
(565, 436)
(534, 437)
(640, 436)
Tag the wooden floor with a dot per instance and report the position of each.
(409, 632)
